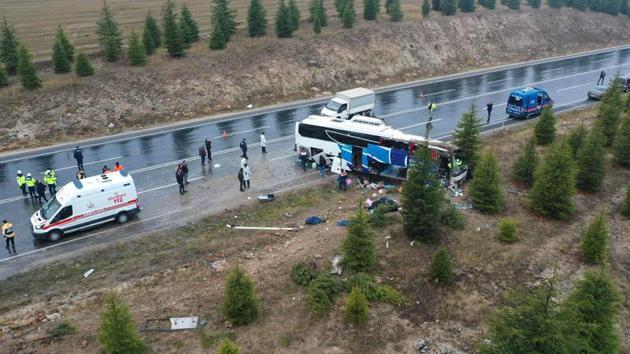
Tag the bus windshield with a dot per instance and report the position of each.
(50, 208)
(333, 105)
(515, 100)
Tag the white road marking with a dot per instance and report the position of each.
(436, 93)
(169, 185)
(89, 163)
(283, 157)
(418, 124)
(500, 104)
(243, 132)
(572, 87)
(495, 81)
(551, 70)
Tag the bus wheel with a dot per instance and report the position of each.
(54, 235)
(122, 218)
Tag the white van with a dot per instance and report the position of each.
(86, 203)
(346, 104)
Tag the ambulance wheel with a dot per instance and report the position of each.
(54, 235)
(122, 217)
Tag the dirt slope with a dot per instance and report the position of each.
(265, 71)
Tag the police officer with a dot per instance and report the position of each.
(41, 191)
(431, 107)
(30, 183)
(243, 146)
(78, 155)
(21, 181)
(8, 234)
(208, 144)
(50, 179)
(202, 155)
(489, 109)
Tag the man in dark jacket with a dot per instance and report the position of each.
(179, 177)
(202, 155)
(78, 155)
(184, 166)
(244, 148)
(41, 191)
(489, 109)
(208, 144)
(241, 180)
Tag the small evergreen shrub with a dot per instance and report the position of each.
(507, 230)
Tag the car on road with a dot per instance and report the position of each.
(527, 102)
(85, 203)
(597, 91)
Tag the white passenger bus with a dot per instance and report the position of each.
(368, 145)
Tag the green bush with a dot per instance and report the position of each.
(321, 292)
(356, 307)
(228, 347)
(374, 291)
(626, 204)
(453, 218)
(594, 242)
(486, 188)
(240, 303)
(4, 80)
(62, 329)
(525, 165)
(507, 230)
(358, 246)
(117, 332)
(303, 274)
(83, 67)
(440, 268)
(378, 217)
(621, 147)
(545, 129)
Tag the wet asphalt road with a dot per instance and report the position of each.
(151, 157)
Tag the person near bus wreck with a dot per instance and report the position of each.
(241, 179)
(322, 165)
(81, 174)
(343, 180)
(247, 175)
(431, 108)
(303, 159)
(8, 234)
(118, 167)
(41, 191)
(179, 177)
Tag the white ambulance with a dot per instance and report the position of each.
(86, 203)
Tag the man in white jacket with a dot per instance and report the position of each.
(247, 174)
(263, 142)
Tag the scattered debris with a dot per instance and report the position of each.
(289, 214)
(412, 243)
(420, 344)
(260, 228)
(87, 274)
(464, 205)
(264, 198)
(219, 265)
(391, 204)
(217, 165)
(314, 220)
(176, 324)
(250, 106)
(454, 191)
(336, 265)
(53, 317)
(343, 223)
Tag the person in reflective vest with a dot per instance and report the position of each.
(432, 107)
(21, 181)
(458, 164)
(30, 183)
(118, 167)
(50, 179)
(8, 234)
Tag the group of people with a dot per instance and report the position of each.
(37, 187)
(181, 176)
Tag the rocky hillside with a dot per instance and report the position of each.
(266, 71)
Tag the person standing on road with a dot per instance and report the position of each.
(247, 175)
(30, 183)
(322, 165)
(489, 109)
(202, 155)
(78, 155)
(241, 179)
(243, 146)
(303, 159)
(105, 170)
(208, 144)
(81, 174)
(8, 234)
(50, 179)
(179, 177)
(602, 75)
(118, 167)
(184, 166)
(263, 142)
(21, 181)
(343, 180)
(41, 191)
(243, 161)
(431, 108)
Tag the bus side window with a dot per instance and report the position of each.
(64, 213)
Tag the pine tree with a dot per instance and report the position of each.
(576, 138)
(323, 16)
(317, 25)
(534, 3)
(316, 9)
(68, 47)
(117, 332)
(340, 5)
(435, 5)
(621, 147)
(224, 18)
(625, 8)
(507, 230)
(240, 304)
(525, 165)
(595, 5)
(554, 183)
(440, 268)
(591, 162)
(545, 129)
(513, 4)
(27, 70)
(595, 302)
(395, 11)
(151, 26)
(358, 246)
(218, 41)
(349, 16)
(467, 5)
(626, 204)
(147, 41)
(610, 112)
(594, 243)
(554, 4)
(173, 39)
(109, 36)
(228, 347)
(530, 323)
(4, 80)
(422, 198)
(8, 48)
(356, 307)
(486, 189)
(61, 64)
(449, 7)
(489, 4)
(467, 137)
(283, 21)
(294, 15)
(83, 67)
(256, 19)
(135, 50)
(426, 8)
(188, 27)
(388, 5)
(370, 9)
(581, 5)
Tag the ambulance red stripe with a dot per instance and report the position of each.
(91, 213)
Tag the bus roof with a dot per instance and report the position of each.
(92, 184)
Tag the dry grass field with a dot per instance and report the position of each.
(36, 20)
